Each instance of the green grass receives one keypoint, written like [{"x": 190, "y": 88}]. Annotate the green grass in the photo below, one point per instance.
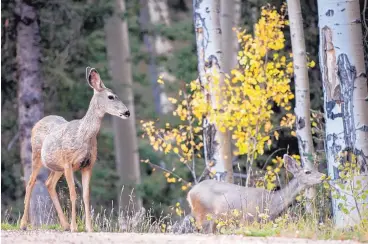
[
  {"x": 300, "y": 228},
  {"x": 304, "y": 227},
  {"x": 294, "y": 224},
  {"x": 51, "y": 227},
  {"x": 8, "y": 226}
]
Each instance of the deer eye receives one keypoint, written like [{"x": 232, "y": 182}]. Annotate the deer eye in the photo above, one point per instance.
[
  {"x": 111, "y": 97},
  {"x": 308, "y": 172}
]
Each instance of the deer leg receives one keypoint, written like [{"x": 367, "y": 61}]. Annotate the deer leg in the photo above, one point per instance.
[
  {"x": 73, "y": 195},
  {"x": 36, "y": 166},
  {"x": 51, "y": 187},
  {"x": 86, "y": 177}
]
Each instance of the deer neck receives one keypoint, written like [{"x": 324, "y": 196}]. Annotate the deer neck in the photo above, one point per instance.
[
  {"x": 91, "y": 122},
  {"x": 283, "y": 198}
]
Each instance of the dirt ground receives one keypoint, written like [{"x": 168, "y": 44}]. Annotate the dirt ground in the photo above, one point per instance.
[{"x": 54, "y": 237}]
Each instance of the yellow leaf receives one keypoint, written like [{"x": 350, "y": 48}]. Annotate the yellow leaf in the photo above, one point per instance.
[
  {"x": 172, "y": 100},
  {"x": 184, "y": 147},
  {"x": 160, "y": 81},
  {"x": 176, "y": 150},
  {"x": 168, "y": 148}
]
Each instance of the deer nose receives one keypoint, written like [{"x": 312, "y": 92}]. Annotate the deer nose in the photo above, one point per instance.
[{"x": 127, "y": 113}]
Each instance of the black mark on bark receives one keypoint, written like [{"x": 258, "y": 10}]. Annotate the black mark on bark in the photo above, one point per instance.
[
  {"x": 330, "y": 13},
  {"x": 361, "y": 160},
  {"x": 363, "y": 128},
  {"x": 212, "y": 60},
  {"x": 335, "y": 173},
  {"x": 196, "y": 3},
  {"x": 300, "y": 124},
  {"x": 211, "y": 144},
  {"x": 329, "y": 107},
  {"x": 335, "y": 148},
  {"x": 347, "y": 75}
]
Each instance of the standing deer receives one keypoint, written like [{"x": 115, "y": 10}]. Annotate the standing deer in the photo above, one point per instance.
[
  {"x": 64, "y": 147},
  {"x": 215, "y": 197}
]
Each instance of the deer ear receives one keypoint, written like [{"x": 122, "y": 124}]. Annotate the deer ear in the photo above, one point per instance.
[
  {"x": 291, "y": 165},
  {"x": 93, "y": 79}
]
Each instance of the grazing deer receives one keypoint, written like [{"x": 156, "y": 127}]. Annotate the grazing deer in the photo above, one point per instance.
[
  {"x": 215, "y": 197},
  {"x": 64, "y": 147}
]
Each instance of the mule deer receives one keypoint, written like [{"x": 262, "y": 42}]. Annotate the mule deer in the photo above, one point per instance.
[
  {"x": 64, "y": 147},
  {"x": 215, "y": 197}
]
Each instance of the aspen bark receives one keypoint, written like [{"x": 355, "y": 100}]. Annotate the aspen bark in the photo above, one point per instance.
[
  {"x": 30, "y": 104},
  {"x": 154, "y": 12},
  {"x": 210, "y": 68},
  {"x": 302, "y": 94},
  {"x": 125, "y": 138},
  {"x": 230, "y": 19},
  {"x": 345, "y": 88},
  {"x": 152, "y": 66}
]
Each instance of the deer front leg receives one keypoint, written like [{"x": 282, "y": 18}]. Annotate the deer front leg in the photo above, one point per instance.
[
  {"x": 86, "y": 177},
  {"x": 73, "y": 195}
]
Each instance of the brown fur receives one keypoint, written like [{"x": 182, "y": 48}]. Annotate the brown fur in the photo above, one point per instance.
[
  {"x": 198, "y": 210},
  {"x": 64, "y": 147}
]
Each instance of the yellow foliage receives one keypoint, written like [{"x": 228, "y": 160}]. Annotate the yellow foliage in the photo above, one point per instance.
[
  {"x": 160, "y": 80},
  {"x": 248, "y": 95}
]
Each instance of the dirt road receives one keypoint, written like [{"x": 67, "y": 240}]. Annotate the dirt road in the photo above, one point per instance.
[{"x": 55, "y": 237}]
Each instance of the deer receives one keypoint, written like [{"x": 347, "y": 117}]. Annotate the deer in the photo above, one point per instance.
[
  {"x": 65, "y": 147},
  {"x": 215, "y": 198}
]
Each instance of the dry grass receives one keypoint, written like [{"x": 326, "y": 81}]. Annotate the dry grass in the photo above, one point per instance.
[{"x": 294, "y": 223}]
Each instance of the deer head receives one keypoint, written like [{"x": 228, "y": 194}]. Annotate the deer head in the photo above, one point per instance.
[
  {"x": 307, "y": 177},
  {"x": 107, "y": 101}
]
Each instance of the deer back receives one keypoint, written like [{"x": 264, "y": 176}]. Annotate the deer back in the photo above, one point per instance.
[
  {"x": 43, "y": 128},
  {"x": 215, "y": 197}
]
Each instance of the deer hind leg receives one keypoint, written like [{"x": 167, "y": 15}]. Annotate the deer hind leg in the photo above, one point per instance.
[
  {"x": 73, "y": 195},
  {"x": 199, "y": 212},
  {"x": 36, "y": 166},
  {"x": 51, "y": 187}
]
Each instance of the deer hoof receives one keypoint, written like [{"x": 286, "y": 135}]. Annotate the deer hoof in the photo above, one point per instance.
[
  {"x": 66, "y": 227},
  {"x": 89, "y": 229},
  {"x": 23, "y": 227},
  {"x": 73, "y": 228}
]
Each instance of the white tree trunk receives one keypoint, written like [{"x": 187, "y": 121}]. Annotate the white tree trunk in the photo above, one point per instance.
[
  {"x": 345, "y": 87},
  {"x": 125, "y": 138},
  {"x": 230, "y": 19},
  {"x": 302, "y": 94},
  {"x": 208, "y": 37},
  {"x": 159, "y": 14}
]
